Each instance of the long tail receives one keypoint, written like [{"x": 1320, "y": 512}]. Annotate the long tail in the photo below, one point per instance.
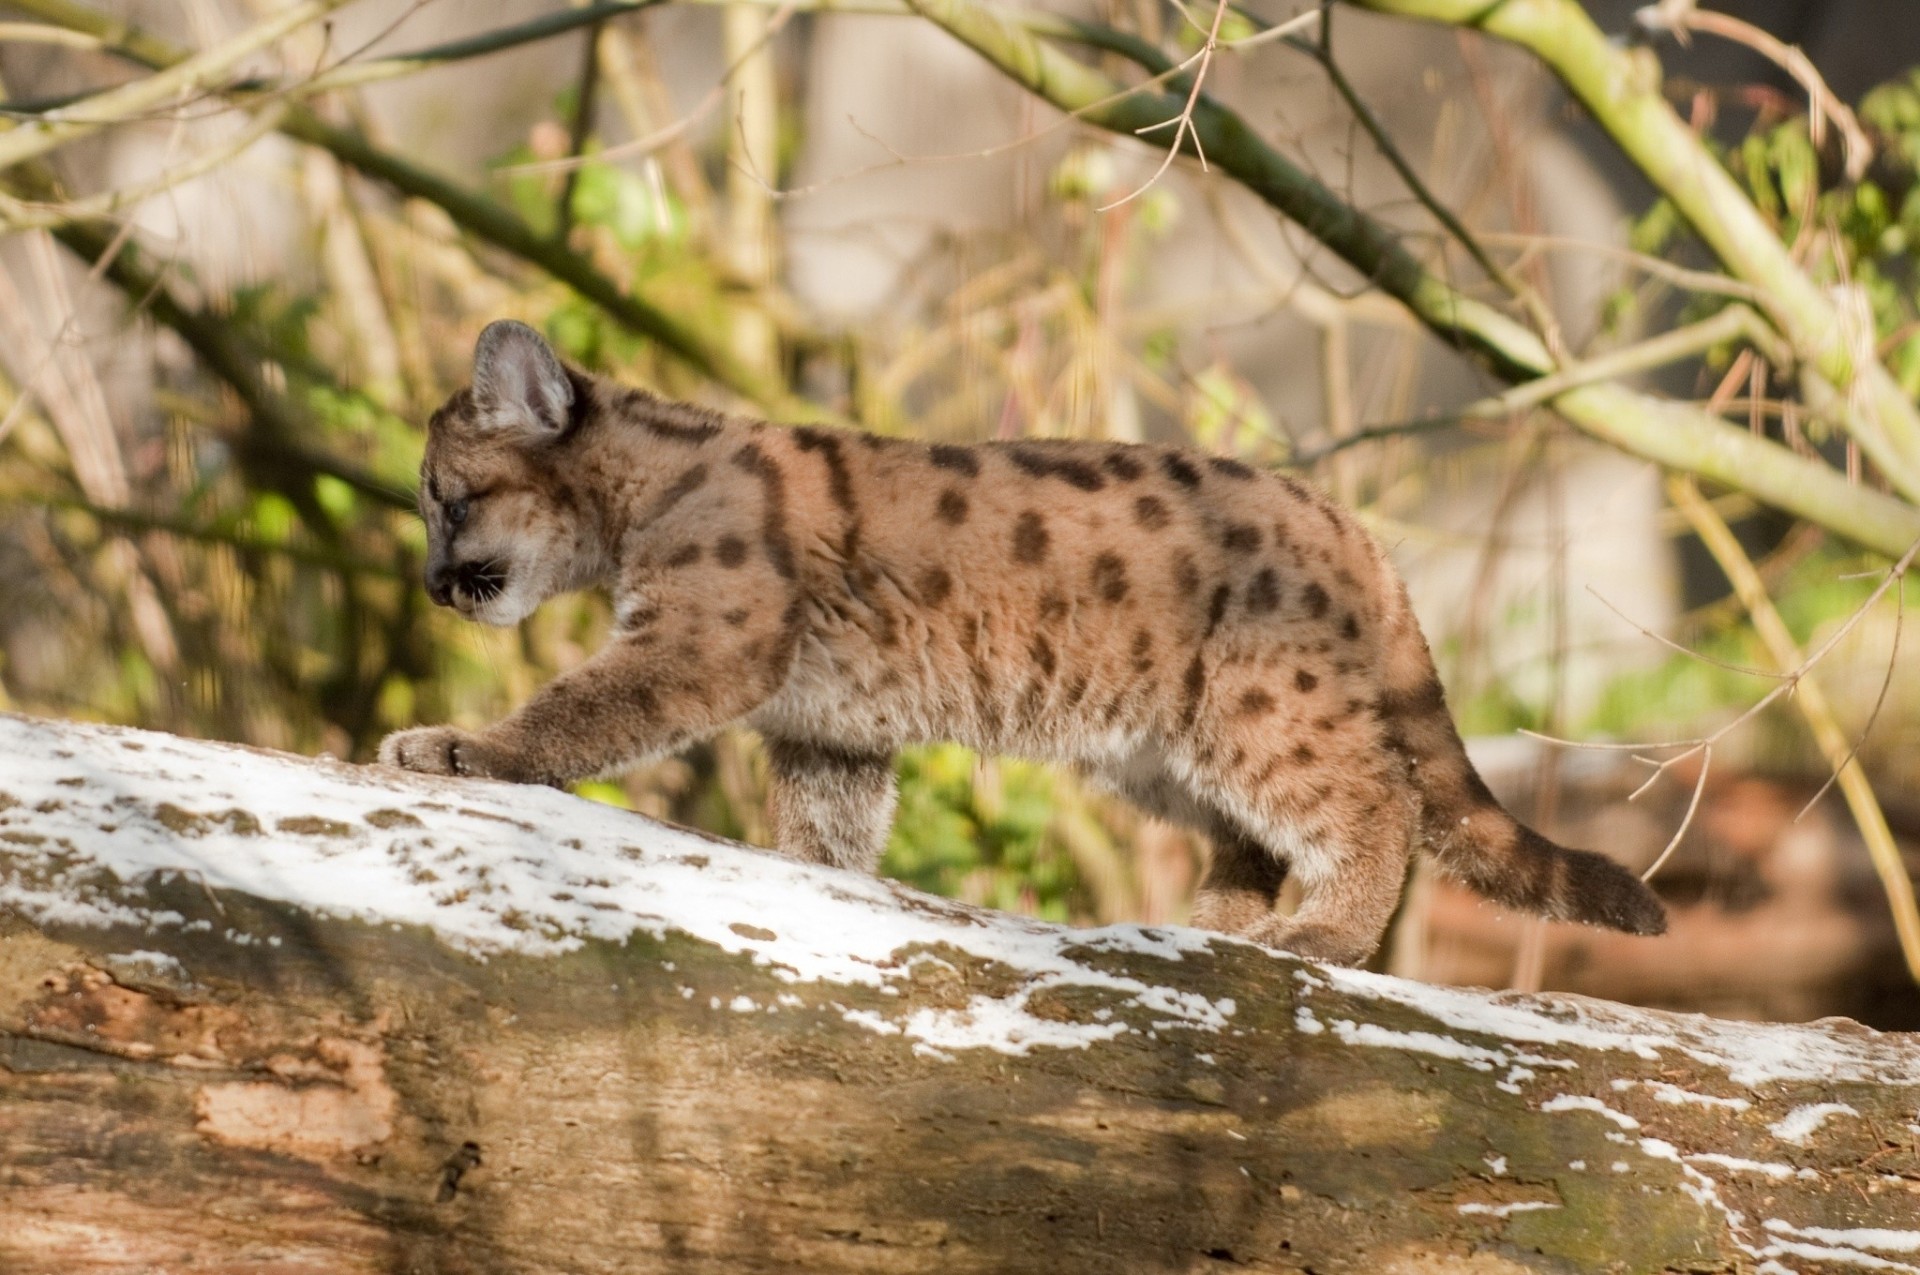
[{"x": 1473, "y": 839}]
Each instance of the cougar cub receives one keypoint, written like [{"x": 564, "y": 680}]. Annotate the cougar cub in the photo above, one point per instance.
[{"x": 1223, "y": 646}]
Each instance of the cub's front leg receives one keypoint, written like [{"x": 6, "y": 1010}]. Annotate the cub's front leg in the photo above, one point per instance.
[{"x": 637, "y": 698}]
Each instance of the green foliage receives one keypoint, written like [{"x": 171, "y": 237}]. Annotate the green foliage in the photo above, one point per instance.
[
  {"x": 1685, "y": 692},
  {"x": 980, "y": 830},
  {"x": 1865, "y": 235}
]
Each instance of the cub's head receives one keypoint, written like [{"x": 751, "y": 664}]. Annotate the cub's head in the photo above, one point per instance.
[{"x": 505, "y": 529}]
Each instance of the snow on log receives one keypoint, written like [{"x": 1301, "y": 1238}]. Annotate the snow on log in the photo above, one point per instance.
[{"x": 265, "y": 1013}]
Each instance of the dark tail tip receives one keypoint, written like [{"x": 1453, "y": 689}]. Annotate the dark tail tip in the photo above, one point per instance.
[{"x": 1601, "y": 892}]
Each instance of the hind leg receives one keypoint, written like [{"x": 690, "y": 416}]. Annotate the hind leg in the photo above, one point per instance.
[
  {"x": 1342, "y": 917},
  {"x": 1341, "y": 812},
  {"x": 1243, "y": 877},
  {"x": 829, "y": 805},
  {"x": 1243, "y": 881},
  {"x": 1351, "y": 860}
]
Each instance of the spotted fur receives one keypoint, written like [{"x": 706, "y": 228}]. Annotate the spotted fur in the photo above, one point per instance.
[{"x": 1223, "y": 646}]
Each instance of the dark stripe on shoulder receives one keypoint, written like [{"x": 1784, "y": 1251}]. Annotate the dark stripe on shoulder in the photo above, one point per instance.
[
  {"x": 839, "y": 482},
  {"x": 773, "y": 518},
  {"x": 678, "y": 422}
]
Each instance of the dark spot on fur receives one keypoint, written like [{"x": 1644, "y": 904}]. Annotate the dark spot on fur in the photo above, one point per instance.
[
  {"x": 1044, "y": 463},
  {"x": 1042, "y": 652},
  {"x": 951, "y": 507},
  {"x": 1180, "y": 469},
  {"x": 1429, "y": 697},
  {"x": 1315, "y": 600},
  {"x": 1193, "y": 684},
  {"x": 1350, "y": 627},
  {"x": 1241, "y": 537},
  {"x": 1217, "y": 607},
  {"x": 1052, "y": 606},
  {"x": 1110, "y": 577},
  {"x": 736, "y": 617},
  {"x": 1142, "y": 654},
  {"x": 1150, "y": 512},
  {"x": 1124, "y": 465},
  {"x": 1230, "y": 467},
  {"x": 1029, "y": 538},
  {"x": 730, "y": 551},
  {"x": 935, "y": 585},
  {"x": 1256, "y": 701},
  {"x": 1304, "y": 682},
  {"x": 1186, "y": 575},
  {"x": 1076, "y": 689},
  {"x": 684, "y": 556},
  {"x": 958, "y": 459},
  {"x": 793, "y": 758},
  {"x": 1263, "y": 593},
  {"x": 1302, "y": 755}
]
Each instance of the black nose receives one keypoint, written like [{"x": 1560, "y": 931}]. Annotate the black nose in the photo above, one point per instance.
[{"x": 440, "y": 585}]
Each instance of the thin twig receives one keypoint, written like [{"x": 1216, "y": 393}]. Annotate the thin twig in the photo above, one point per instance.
[
  {"x": 1823, "y": 103},
  {"x": 1731, "y": 323},
  {"x": 18, "y": 215},
  {"x": 56, "y": 128},
  {"x": 1536, "y": 307},
  {"x": 1812, "y": 702}
]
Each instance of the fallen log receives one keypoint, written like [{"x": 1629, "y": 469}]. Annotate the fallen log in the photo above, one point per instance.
[{"x": 264, "y": 1013}]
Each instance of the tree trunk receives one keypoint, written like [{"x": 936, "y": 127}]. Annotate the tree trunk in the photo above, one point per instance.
[{"x": 260, "y": 1013}]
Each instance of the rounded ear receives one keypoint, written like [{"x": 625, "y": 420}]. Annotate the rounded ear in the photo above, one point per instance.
[{"x": 519, "y": 384}]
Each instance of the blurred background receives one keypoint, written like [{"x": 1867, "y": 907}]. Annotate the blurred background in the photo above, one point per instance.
[{"x": 231, "y": 293}]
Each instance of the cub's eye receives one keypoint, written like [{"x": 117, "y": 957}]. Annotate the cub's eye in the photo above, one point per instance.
[{"x": 457, "y": 512}]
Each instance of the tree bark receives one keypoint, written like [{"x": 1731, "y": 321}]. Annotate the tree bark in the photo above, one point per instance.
[{"x": 261, "y": 1013}]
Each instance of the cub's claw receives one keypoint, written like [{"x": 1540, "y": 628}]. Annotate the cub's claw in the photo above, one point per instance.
[
  {"x": 447, "y": 750},
  {"x": 431, "y": 750}
]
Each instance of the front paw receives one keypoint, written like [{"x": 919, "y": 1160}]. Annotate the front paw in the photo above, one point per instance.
[{"x": 432, "y": 750}]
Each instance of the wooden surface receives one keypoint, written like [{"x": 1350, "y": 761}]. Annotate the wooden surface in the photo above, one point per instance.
[{"x": 251, "y": 1084}]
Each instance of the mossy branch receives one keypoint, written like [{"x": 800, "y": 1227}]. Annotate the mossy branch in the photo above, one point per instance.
[
  {"x": 1620, "y": 86},
  {"x": 1672, "y": 434},
  {"x": 479, "y": 216},
  {"x": 182, "y": 76}
]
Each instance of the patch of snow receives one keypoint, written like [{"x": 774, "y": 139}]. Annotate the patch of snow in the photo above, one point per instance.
[
  {"x": 1832, "y": 1248},
  {"x": 1474, "y": 1056},
  {"x": 1749, "y": 1054},
  {"x": 1778, "y": 1172},
  {"x": 493, "y": 867},
  {"x": 158, "y": 962},
  {"x": 1803, "y": 1122},
  {"x": 1305, "y": 1023},
  {"x": 868, "y": 1019},
  {"x": 1856, "y": 1237},
  {"x": 1580, "y": 1102},
  {"x": 1674, "y": 1096},
  {"x": 1507, "y": 1210}
]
